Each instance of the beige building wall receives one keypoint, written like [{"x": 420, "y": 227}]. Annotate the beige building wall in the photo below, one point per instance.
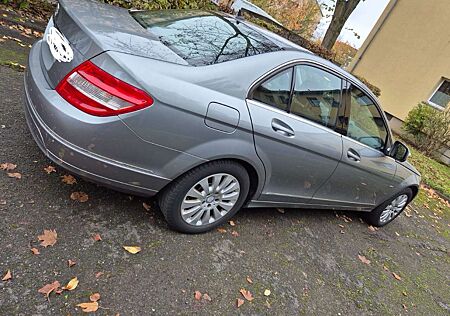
[{"x": 407, "y": 53}]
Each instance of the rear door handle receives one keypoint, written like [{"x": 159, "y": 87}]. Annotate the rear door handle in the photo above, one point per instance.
[
  {"x": 282, "y": 128},
  {"x": 353, "y": 155}
]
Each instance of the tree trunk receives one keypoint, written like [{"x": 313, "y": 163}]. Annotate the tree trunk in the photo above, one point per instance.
[{"x": 341, "y": 13}]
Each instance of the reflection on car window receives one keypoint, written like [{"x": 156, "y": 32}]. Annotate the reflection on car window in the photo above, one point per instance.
[
  {"x": 317, "y": 95},
  {"x": 366, "y": 124},
  {"x": 204, "y": 38},
  {"x": 276, "y": 90}
]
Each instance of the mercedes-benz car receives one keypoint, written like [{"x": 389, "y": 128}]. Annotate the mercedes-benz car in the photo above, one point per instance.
[{"x": 210, "y": 114}]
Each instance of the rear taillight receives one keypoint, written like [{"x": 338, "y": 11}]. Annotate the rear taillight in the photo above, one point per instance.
[{"x": 94, "y": 91}]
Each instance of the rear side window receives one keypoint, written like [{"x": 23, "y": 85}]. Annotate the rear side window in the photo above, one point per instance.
[
  {"x": 317, "y": 95},
  {"x": 276, "y": 90},
  {"x": 204, "y": 38}
]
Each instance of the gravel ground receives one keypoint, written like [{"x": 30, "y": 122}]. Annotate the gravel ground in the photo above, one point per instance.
[{"x": 308, "y": 259}]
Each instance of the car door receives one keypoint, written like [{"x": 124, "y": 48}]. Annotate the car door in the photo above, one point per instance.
[
  {"x": 364, "y": 177},
  {"x": 293, "y": 113}
]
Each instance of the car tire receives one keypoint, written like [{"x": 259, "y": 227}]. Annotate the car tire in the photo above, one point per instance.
[
  {"x": 173, "y": 197},
  {"x": 386, "y": 213}
]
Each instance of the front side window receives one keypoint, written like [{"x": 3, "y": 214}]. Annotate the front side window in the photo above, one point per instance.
[
  {"x": 276, "y": 90},
  {"x": 441, "y": 97},
  {"x": 317, "y": 95},
  {"x": 366, "y": 124}
]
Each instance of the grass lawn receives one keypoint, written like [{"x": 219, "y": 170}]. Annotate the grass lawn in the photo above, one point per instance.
[{"x": 434, "y": 174}]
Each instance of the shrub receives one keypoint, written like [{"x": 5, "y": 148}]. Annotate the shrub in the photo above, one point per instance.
[{"x": 429, "y": 127}]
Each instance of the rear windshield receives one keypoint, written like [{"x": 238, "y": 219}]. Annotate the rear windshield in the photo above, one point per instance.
[{"x": 204, "y": 38}]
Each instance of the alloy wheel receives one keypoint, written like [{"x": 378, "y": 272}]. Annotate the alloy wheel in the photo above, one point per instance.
[
  {"x": 392, "y": 209},
  {"x": 210, "y": 199}
]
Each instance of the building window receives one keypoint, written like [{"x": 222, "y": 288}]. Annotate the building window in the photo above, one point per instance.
[{"x": 441, "y": 97}]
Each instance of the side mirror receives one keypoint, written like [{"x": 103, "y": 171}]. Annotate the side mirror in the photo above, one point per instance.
[{"x": 399, "y": 151}]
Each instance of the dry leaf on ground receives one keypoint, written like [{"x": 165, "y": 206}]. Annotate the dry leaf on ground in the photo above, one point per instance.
[
  {"x": 68, "y": 179},
  {"x": 14, "y": 175},
  {"x": 247, "y": 294},
  {"x": 249, "y": 280},
  {"x": 235, "y": 233},
  {"x": 267, "y": 292},
  {"x": 232, "y": 223},
  {"x": 146, "y": 206},
  {"x": 48, "y": 238},
  {"x": 197, "y": 295},
  {"x": 396, "y": 276},
  {"x": 7, "y": 276},
  {"x": 132, "y": 249},
  {"x": 72, "y": 285},
  {"x": 79, "y": 197},
  {"x": 94, "y": 297},
  {"x": 206, "y": 297},
  {"x": 363, "y": 259},
  {"x": 221, "y": 230},
  {"x": 97, "y": 237},
  {"x": 99, "y": 274},
  {"x": 71, "y": 263},
  {"x": 48, "y": 288},
  {"x": 35, "y": 251},
  {"x": 239, "y": 302},
  {"x": 50, "y": 169},
  {"x": 8, "y": 166},
  {"x": 88, "y": 307}
]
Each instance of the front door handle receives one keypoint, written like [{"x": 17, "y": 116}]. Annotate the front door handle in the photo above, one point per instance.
[
  {"x": 282, "y": 128},
  {"x": 353, "y": 155}
]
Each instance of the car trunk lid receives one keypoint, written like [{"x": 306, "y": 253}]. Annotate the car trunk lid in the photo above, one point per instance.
[{"x": 91, "y": 28}]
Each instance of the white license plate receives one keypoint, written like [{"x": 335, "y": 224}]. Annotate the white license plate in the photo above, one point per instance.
[{"x": 59, "y": 46}]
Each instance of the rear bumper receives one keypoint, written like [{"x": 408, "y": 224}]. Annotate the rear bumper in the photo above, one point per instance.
[{"x": 49, "y": 117}]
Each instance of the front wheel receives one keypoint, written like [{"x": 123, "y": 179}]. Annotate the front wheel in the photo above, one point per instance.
[
  {"x": 205, "y": 197},
  {"x": 389, "y": 210}
]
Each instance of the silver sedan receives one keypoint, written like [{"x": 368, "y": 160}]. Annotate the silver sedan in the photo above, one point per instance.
[{"x": 211, "y": 114}]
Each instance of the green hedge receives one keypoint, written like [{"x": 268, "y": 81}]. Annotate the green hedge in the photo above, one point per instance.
[{"x": 161, "y": 4}]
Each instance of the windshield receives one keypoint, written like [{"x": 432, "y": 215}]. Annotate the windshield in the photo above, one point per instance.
[{"x": 204, "y": 38}]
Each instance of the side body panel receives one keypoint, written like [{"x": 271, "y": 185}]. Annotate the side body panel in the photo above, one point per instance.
[{"x": 297, "y": 165}]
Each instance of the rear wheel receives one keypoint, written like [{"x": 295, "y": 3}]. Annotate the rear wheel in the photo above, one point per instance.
[
  {"x": 389, "y": 210},
  {"x": 205, "y": 197}
]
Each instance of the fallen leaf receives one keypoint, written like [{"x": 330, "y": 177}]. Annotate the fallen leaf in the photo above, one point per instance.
[
  {"x": 267, "y": 292},
  {"x": 341, "y": 226},
  {"x": 232, "y": 223},
  {"x": 7, "y": 276},
  {"x": 239, "y": 302},
  {"x": 48, "y": 288},
  {"x": 71, "y": 263},
  {"x": 221, "y": 230},
  {"x": 206, "y": 297},
  {"x": 396, "y": 276},
  {"x": 281, "y": 210},
  {"x": 247, "y": 294},
  {"x": 79, "y": 197},
  {"x": 68, "y": 179},
  {"x": 146, "y": 206},
  {"x": 35, "y": 251},
  {"x": 99, "y": 274},
  {"x": 48, "y": 238},
  {"x": 372, "y": 229},
  {"x": 249, "y": 280},
  {"x": 197, "y": 295},
  {"x": 72, "y": 285},
  {"x": 363, "y": 259},
  {"x": 235, "y": 233},
  {"x": 397, "y": 234},
  {"x": 132, "y": 249},
  {"x": 88, "y": 307},
  {"x": 8, "y": 166},
  {"x": 15, "y": 175},
  {"x": 94, "y": 297},
  {"x": 97, "y": 237},
  {"x": 50, "y": 169}
]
